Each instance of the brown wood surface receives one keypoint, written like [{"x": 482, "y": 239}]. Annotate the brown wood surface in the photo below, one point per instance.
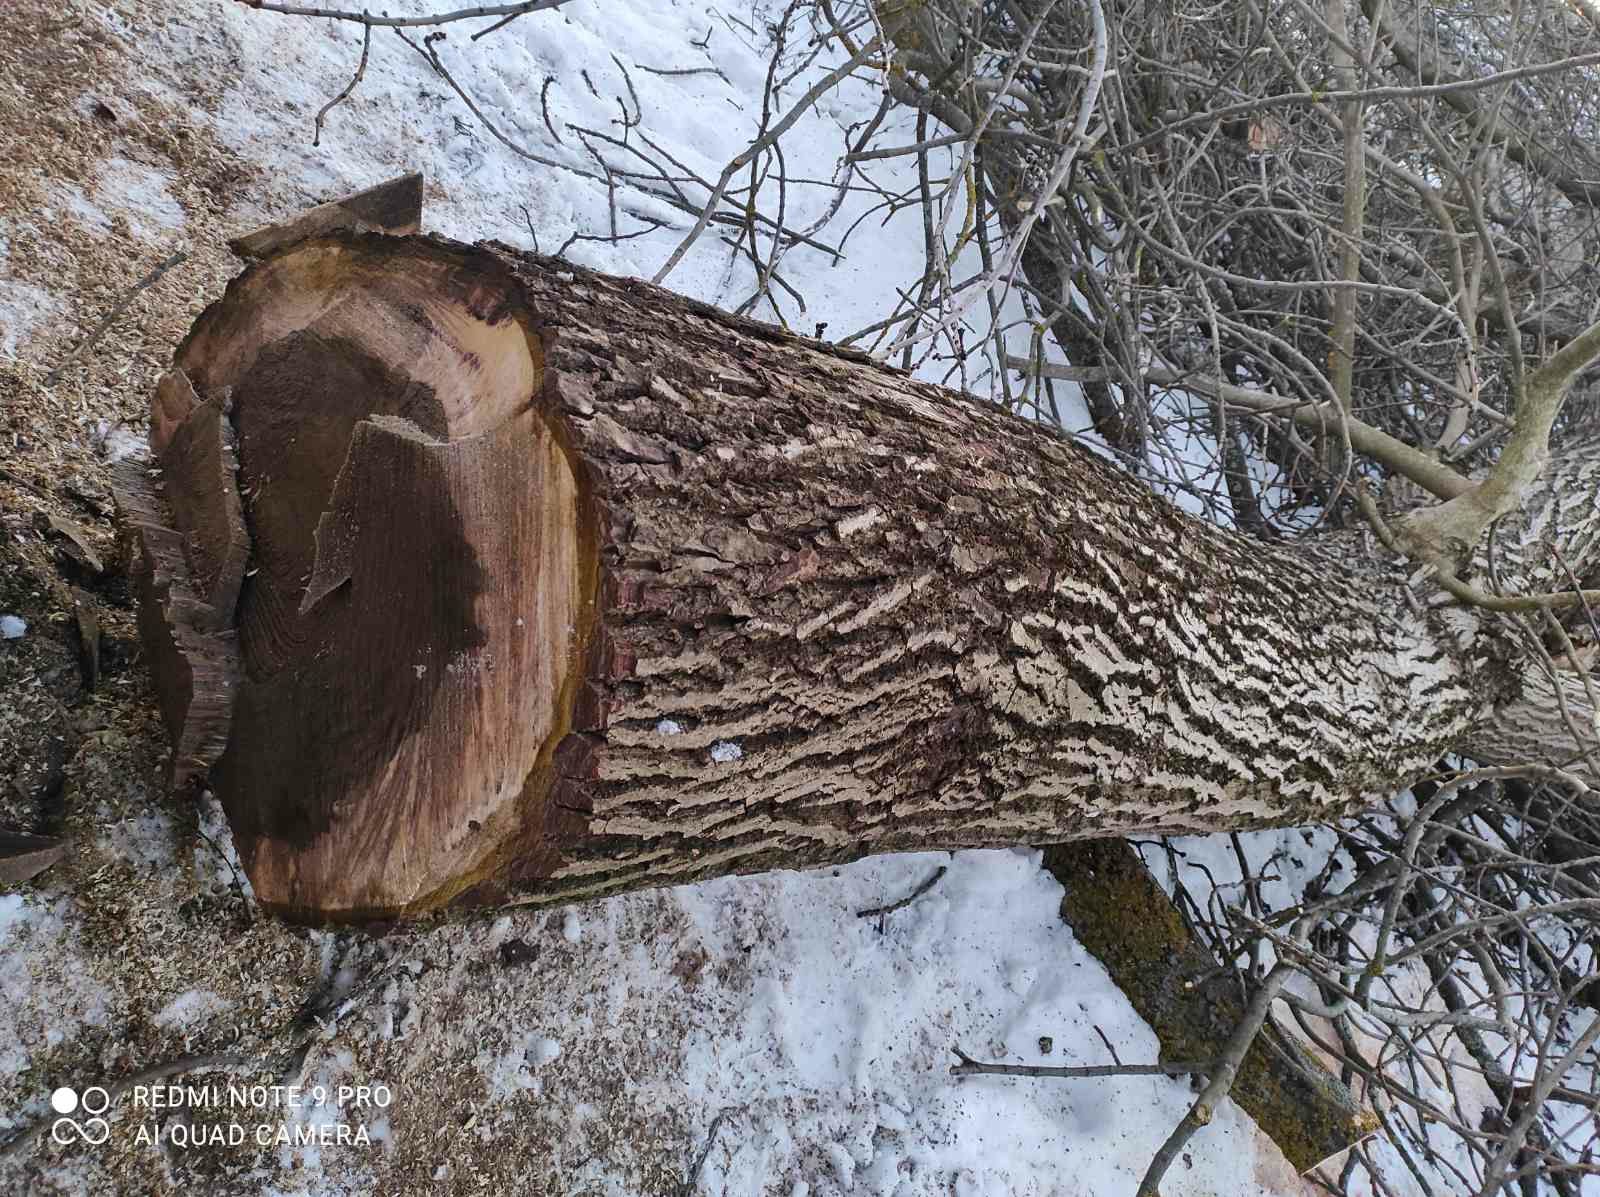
[{"x": 24, "y": 856}]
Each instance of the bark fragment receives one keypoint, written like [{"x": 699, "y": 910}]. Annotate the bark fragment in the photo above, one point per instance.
[
  {"x": 24, "y": 856},
  {"x": 391, "y": 207},
  {"x": 192, "y": 551}
]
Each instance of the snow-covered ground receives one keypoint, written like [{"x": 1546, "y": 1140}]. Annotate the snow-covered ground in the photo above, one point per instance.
[
  {"x": 757, "y": 1027},
  {"x": 681, "y": 84}
]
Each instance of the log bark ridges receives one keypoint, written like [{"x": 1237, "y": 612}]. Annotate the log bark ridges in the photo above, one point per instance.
[
  {"x": 1120, "y": 914},
  {"x": 561, "y": 585}
]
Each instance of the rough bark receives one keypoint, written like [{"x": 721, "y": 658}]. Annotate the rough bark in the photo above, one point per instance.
[
  {"x": 562, "y": 585},
  {"x": 193, "y": 551}
]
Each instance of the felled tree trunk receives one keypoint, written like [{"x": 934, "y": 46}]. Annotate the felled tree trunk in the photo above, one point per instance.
[{"x": 554, "y": 584}]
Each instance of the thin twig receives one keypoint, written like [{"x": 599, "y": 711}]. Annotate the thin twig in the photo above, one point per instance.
[
  {"x": 706, "y": 70},
  {"x": 693, "y": 1179},
  {"x": 432, "y": 57},
  {"x": 971, "y": 1067},
  {"x": 544, "y": 108},
  {"x": 110, "y": 318},
  {"x": 361, "y": 69},
  {"x": 926, "y": 885},
  {"x": 498, "y": 25},
  {"x": 1398, "y": 92},
  {"x": 366, "y": 18},
  {"x": 817, "y": 90}
]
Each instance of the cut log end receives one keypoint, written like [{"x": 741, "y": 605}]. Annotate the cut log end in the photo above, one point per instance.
[{"x": 421, "y": 581}]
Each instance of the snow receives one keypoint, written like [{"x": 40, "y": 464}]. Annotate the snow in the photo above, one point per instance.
[
  {"x": 845, "y": 1040},
  {"x": 191, "y": 1010},
  {"x": 118, "y": 442},
  {"x": 824, "y": 1039},
  {"x": 603, "y": 59},
  {"x": 1282, "y": 860},
  {"x": 481, "y": 190},
  {"x": 133, "y": 191},
  {"x": 215, "y": 856},
  {"x": 12, "y": 913},
  {"x": 544, "y": 1050},
  {"x": 724, "y": 751},
  {"x": 45, "y": 994},
  {"x": 144, "y": 839},
  {"x": 80, "y": 208},
  {"x": 141, "y": 193},
  {"x": 24, "y": 309}
]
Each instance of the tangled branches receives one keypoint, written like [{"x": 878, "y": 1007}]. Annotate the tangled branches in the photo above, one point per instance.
[
  {"x": 1324, "y": 207},
  {"x": 1451, "y": 975}
]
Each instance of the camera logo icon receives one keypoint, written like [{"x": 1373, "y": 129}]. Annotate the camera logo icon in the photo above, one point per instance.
[{"x": 89, "y": 1105}]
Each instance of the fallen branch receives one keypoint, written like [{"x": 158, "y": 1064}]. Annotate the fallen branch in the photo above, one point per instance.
[
  {"x": 971, "y": 1067},
  {"x": 367, "y": 19},
  {"x": 908, "y": 899},
  {"x": 1120, "y": 914}
]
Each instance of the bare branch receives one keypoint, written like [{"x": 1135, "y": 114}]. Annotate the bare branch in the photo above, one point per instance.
[
  {"x": 361, "y": 69},
  {"x": 970, "y": 1067},
  {"x": 444, "y": 18}
]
